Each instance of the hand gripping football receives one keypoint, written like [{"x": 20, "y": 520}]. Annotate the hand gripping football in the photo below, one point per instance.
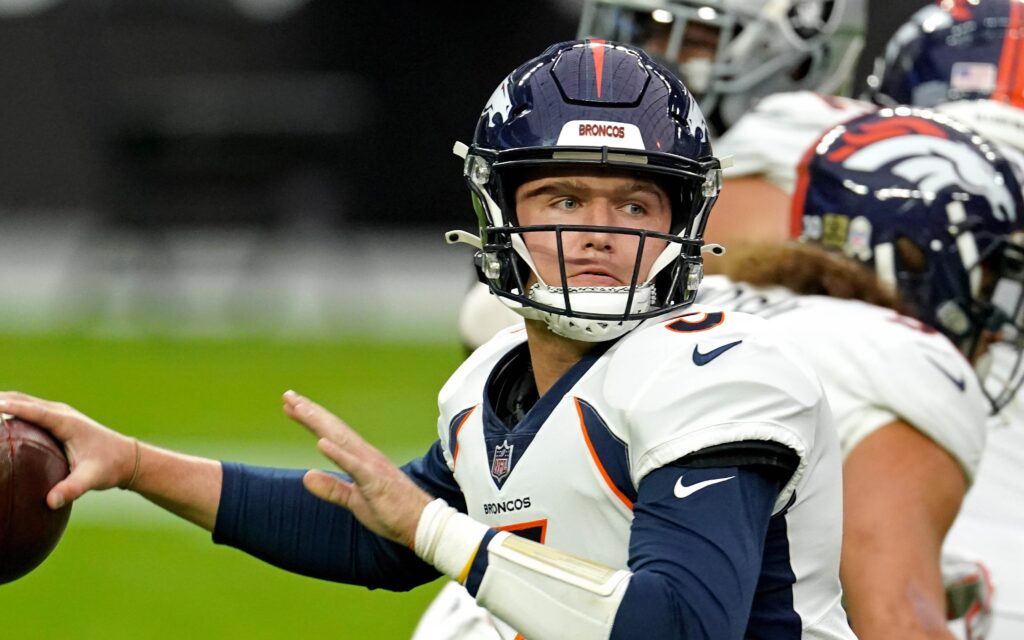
[{"x": 31, "y": 463}]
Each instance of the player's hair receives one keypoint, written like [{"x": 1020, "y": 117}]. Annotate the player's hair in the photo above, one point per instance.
[{"x": 807, "y": 270}]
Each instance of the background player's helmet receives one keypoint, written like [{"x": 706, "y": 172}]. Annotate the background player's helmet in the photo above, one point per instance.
[
  {"x": 963, "y": 55},
  {"x": 933, "y": 208},
  {"x": 732, "y": 52},
  {"x": 593, "y": 104}
]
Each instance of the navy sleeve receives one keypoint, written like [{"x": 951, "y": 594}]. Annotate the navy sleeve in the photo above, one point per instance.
[
  {"x": 695, "y": 551},
  {"x": 268, "y": 513}
]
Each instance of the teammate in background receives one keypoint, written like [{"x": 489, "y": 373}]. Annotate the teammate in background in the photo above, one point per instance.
[
  {"x": 935, "y": 212},
  {"x": 957, "y": 57},
  {"x": 777, "y": 57},
  {"x": 963, "y": 58},
  {"x": 667, "y": 470}
]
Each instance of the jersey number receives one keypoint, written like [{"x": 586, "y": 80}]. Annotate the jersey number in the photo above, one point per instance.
[
  {"x": 696, "y": 321},
  {"x": 535, "y": 530}
]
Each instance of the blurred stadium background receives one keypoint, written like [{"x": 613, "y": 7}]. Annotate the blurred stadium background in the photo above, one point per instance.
[{"x": 206, "y": 202}]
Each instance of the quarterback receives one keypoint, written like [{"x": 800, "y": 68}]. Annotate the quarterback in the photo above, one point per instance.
[{"x": 625, "y": 464}]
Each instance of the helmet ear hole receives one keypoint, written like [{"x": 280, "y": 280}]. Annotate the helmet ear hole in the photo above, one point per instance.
[{"x": 911, "y": 257}]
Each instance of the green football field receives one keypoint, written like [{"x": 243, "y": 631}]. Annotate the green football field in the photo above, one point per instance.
[{"x": 126, "y": 570}]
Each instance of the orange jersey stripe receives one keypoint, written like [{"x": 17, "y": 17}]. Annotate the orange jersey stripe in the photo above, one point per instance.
[{"x": 597, "y": 461}]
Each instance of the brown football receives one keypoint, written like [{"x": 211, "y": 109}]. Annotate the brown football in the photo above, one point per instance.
[{"x": 31, "y": 462}]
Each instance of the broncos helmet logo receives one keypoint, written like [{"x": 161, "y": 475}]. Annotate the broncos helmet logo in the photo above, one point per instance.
[
  {"x": 499, "y": 105},
  {"x": 935, "y": 164}
]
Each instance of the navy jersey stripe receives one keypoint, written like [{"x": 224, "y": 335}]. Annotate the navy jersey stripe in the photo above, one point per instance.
[
  {"x": 611, "y": 454},
  {"x": 453, "y": 432}
]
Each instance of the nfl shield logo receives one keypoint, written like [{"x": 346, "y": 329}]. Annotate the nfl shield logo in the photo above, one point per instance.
[{"x": 501, "y": 462}]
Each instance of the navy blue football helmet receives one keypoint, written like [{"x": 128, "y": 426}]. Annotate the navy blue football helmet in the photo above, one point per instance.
[
  {"x": 600, "y": 105},
  {"x": 962, "y": 58},
  {"x": 933, "y": 209},
  {"x": 953, "y": 50}
]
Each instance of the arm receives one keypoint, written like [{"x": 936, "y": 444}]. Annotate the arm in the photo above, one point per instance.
[
  {"x": 693, "y": 569},
  {"x": 101, "y": 459},
  {"x": 694, "y": 566},
  {"x": 267, "y": 513},
  {"x": 901, "y": 492}
]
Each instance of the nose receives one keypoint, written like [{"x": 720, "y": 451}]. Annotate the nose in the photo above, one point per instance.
[{"x": 599, "y": 214}]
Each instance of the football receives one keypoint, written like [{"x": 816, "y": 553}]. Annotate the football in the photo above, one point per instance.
[{"x": 31, "y": 462}]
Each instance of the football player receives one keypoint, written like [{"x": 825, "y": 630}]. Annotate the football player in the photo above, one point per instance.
[
  {"x": 963, "y": 58},
  {"x": 934, "y": 211},
  {"x": 625, "y": 464}
]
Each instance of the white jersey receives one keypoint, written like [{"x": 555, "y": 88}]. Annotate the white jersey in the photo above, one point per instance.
[
  {"x": 877, "y": 366},
  {"x": 771, "y": 138},
  {"x": 667, "y": 389}
]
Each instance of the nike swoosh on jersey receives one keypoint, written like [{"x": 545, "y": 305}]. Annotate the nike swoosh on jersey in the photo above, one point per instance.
[
  {"x": 701, "y": 359},
  {"x": 681, "y": 490},
  {"x": 960, "y": 382}
]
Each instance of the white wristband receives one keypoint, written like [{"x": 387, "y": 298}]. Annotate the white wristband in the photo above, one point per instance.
[{"x": 448, "y": 539}]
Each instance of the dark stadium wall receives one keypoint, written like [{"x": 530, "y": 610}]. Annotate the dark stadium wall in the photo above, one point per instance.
[{"x": 159, "y": 112}]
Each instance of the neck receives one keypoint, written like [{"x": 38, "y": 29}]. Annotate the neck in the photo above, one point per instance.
[{"x": 551, "y": 354}]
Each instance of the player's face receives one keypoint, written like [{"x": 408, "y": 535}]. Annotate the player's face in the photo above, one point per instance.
[
  {"x": 699, "y": 41},
  {"x": 576, "y": 197}
]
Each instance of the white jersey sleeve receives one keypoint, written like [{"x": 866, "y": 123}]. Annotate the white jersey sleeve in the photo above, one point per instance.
[
  {"x": 771, "y": 138},
  {"x": 686, "y": 389},
  {"x": 877, "y": 366},
  {"x": 880, "y": 367},
  {"x": 465, "y": 387}
]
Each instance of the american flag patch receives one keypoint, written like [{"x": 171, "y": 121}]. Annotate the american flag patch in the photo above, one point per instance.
[{"x": 973, "y": 77}]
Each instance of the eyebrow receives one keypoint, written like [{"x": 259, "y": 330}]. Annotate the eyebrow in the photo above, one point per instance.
[{"x": 560, "y": 186}]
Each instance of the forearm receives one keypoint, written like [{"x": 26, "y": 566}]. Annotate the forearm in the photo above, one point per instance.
[
  {"x": 187, "y": 486},
  {"x": 269, "y": 514},
  {"x": 685, "y": 580}
]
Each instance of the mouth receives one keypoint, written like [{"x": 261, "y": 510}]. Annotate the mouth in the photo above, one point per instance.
[{"x": 594, "y": 277}]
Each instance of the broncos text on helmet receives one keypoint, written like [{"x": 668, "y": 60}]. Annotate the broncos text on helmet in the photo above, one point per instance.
[
  {"x": 730, "y": 53},
  {"x": 591, "y": 104},
  {"x": 934, "y": 209}
]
